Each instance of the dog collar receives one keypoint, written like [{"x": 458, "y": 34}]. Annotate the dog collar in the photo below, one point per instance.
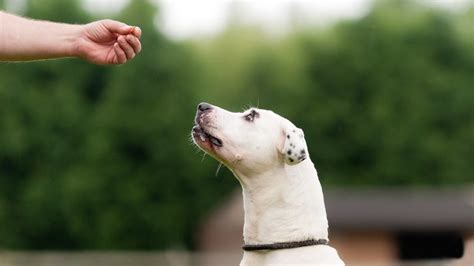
[{"x": 285, "y": 245}]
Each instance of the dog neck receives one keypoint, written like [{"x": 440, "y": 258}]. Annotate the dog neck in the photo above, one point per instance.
[{"x": 283, "y": 205}]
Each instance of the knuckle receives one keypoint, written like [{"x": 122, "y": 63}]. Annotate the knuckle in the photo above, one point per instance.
[{"x": 107, "y": 21}]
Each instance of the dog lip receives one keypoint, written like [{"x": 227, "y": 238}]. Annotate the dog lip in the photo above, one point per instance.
[
  {"x": 215, "y": 141},
  {"x": 200, "y": 134}
]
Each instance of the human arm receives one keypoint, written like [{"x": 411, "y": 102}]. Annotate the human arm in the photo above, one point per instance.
[{"x": 100, "y": 42}]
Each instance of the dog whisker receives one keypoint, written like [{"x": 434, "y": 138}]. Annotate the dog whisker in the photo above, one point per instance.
[
  {"x": 218, "y": 168},
  {"x": 248, "y": 107},
  {"x": 195, "y": 147},
  {"x": 196, "y": 150}
]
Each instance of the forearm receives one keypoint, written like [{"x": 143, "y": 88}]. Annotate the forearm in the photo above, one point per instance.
[{"x": 25, "y": 39}]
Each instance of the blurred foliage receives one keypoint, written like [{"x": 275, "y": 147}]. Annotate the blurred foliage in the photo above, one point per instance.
[{"x": 98, "y": 157}]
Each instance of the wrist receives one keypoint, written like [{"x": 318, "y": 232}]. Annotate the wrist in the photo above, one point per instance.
[{"x": 74, "y": 41}]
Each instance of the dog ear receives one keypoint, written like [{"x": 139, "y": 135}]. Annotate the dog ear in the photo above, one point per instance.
[{"x": 294, "y": 146}]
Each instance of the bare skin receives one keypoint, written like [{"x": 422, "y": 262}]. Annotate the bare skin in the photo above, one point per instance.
[{"x": 103, "y": 42}]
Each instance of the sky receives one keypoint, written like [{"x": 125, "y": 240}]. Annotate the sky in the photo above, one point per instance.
[{"x": 183, "y": 19}]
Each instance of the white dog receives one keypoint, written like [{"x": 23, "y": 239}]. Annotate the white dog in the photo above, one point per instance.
[{"x": 285, "y": 216}]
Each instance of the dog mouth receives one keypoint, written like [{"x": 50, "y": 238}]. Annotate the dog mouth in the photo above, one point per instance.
[{"x": 200, "y": 135}]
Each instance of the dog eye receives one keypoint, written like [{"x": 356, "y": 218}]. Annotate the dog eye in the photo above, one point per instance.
[{"x": 251, "y": 116}]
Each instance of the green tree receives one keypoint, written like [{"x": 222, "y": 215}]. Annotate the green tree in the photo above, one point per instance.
[
  {"x": 92, "y": 157},
  {"x": 384, "y": 100},
  {"x": 96, "y": 157}
]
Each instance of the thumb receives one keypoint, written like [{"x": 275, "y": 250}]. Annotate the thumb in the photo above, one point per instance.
[{"x": 117, "y": 27}]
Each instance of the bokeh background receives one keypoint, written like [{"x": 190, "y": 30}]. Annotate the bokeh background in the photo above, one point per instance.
[{"x": 99, "y": 158}]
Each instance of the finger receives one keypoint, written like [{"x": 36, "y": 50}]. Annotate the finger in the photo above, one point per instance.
[
  {"x": 135, "y": 43},
  {"x": 127, "y": 48},
  {"x": 117, "y": 26},
  {"x": 120, "y": 54},
  {"x": 137, "y": 32}
]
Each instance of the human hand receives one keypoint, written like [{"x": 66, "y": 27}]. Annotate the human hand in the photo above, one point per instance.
[{"x": 107, "y": 42}]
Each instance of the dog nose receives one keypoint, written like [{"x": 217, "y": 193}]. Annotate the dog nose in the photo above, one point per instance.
[{"x": 204, "y": 107}]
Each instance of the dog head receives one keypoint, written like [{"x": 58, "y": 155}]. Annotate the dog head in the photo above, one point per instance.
[{"x": 250, "y": 142}]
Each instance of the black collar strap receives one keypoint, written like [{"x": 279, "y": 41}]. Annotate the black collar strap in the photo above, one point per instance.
[{"x": 285, "y": 245}]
